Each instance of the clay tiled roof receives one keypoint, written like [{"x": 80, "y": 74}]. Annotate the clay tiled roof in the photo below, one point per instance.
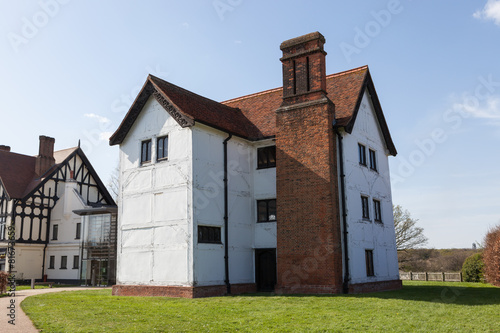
[
  {"x": 17, "y": 172},
  {"x": 253, "y": 116},
  {"x": 343, "y": 89}
]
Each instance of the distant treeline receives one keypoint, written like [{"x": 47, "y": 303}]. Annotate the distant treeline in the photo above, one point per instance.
[{"x": 432, "y": 260}]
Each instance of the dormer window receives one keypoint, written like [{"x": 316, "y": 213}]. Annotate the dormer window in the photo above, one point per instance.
[
  {"x": 146, "y": 151},
  {"x": 266, "y": 157}
]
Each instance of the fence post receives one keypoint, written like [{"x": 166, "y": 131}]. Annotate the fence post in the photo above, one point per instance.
[{"x": 444, "y": 277}]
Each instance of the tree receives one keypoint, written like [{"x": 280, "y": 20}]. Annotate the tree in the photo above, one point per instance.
[
  {"x": 113, "y": 184},
  {"x": 473, "y": 268},
  {"x": 408, "y": 235},
  {"x": 491, "y": 256}
]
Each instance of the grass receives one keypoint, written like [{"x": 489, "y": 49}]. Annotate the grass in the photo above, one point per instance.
[{"x": 420, "y": 306}]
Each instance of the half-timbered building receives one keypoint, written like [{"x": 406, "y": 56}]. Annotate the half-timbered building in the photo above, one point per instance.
[
  {"x": 286, "y": 189},
  {"x": 42, "y": 199}
]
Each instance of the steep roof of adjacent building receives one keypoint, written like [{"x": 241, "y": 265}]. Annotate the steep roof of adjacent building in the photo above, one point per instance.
[
  {"x": 253, "y": 116},
  {"x": 17, "y": 171}
]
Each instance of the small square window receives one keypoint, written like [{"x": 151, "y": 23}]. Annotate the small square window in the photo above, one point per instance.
[
  {"x": 145, "y": 151},
  {"x": 64, "y": 262},
  {"x": 266, "y": 157},
  {"x": 365, "y": 208},
  {"x": 76, "y": 262},
  {"x": 162, "y": 148},
  {"x": 52, "y": 262},
  {"x": 369, "y": 263},
  {"x": 373, "y": 160},
  {"x": 362, "y": 154},
  {"x": 210, "y": 235},
  {"x": 55, "y": 231},
  {"x": 377, "y": 211},
  {"x": 266, "y": 210}
]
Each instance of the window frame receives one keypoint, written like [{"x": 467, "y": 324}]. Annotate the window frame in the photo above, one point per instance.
[
  {"x": 373, "y": 159},
  {"x": 377, "y": 211},
  {"x": 268, "y": 151},
  {"x": 365, "y": 207},
  {"x": 362, "y": 154},
  {"x": 146, "y": 159},
  {"x": 76, "y": 262},
  {"x": 52, "y": 262},
  {"x": 267, "y": 201},
  {"x": 78, "y": 230},
  {"x": 164, "y": 154},
  {"x": 55, "y": 231},
  {"x": 370, "y": 269},
  {"x": 210, "y": 231},
  {"x": 64, "y": 262}
]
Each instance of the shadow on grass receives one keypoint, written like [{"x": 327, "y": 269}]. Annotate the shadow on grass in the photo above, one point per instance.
[{"x": 445, "y": 294}]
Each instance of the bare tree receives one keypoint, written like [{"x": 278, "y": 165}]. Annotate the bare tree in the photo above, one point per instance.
[
  {"x": 408, "y": 235},
  {"x": 113, "y": 184}
]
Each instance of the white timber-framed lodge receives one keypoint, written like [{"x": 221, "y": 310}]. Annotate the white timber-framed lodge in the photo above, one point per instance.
[
  {"x": 285, "y": 190},
  {"x": 59, "y": 215}
]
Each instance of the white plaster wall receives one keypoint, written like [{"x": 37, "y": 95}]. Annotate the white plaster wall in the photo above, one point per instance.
[
  {"x": 66, "y": 243},
  {"x": 264, "y": 188},
  {"x": 361, "y": 180},
  {"x": 155, "y": 211},
  {"x": 29, "y": 258},
  {"x": 208, "y": 196}
]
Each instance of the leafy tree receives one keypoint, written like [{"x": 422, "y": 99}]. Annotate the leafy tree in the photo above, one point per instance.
[
  {"x": 408, "y": 235},
  {"x": 491, "y": 256},
  {"x": 473, "y": 268}
]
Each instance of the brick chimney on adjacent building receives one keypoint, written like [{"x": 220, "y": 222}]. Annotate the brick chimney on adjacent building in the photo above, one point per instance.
[
  {"x": 309, "y": 252},
  {"x": 45, "y": 159},
  {"x": 4, "y": 148}
]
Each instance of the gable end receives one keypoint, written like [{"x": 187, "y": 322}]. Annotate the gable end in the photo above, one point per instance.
[{"x": 368, "y": 85}]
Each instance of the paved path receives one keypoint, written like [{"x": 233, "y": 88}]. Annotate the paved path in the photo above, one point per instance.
[{"x": 22, "y": 322}]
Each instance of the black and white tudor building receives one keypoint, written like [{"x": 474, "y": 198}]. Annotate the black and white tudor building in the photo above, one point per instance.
[{"x": 63, "y": 217}]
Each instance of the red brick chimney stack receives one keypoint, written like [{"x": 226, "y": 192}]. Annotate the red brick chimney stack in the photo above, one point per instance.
[
  {"x": 304, "y": 68},
  {"x": 309, "y": 252},
  {"x": 45, "y": 159},
  {"x": 4, "y": 148}
]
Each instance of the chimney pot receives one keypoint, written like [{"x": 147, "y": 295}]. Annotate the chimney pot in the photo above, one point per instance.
[
  {"x": 5, "y": 148},
  {"x": 304, "y": 68}
]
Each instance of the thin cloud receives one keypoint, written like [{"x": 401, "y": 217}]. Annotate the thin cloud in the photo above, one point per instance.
[
  {"x": 102, "y": 120},
  {"x": 491, "y": 11},
  {"x": 104, "y": 136},
  {"x": 485, "y": 109}
]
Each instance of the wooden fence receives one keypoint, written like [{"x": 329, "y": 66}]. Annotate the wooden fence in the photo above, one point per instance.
[{"x": 431, "y": 276}]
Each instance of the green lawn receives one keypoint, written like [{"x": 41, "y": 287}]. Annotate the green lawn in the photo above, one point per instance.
[{"x": 420, "y": 306}]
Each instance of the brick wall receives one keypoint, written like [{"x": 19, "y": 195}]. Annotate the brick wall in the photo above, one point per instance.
[
  {"x": 179, "y": 291},
  {"x": 309, "y": 254}
]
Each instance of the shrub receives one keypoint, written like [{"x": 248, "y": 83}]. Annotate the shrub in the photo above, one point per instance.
[
  {"x": 492, "y": 256},
  {"x": 473, "y": 268},
  {"x": 4, "y": 280}
]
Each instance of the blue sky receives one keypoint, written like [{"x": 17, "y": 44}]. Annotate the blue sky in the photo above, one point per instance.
[{"x": 70, "y": 69}]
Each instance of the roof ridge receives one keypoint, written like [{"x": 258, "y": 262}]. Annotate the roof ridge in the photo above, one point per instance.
[
  {"x": 19, "y": 154},
  {"x": 349, "y": 71},
  {"x": 268, "y": 91},
  {"x": 185, "y": 90},
  {"x": 252, "y": 95}
]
